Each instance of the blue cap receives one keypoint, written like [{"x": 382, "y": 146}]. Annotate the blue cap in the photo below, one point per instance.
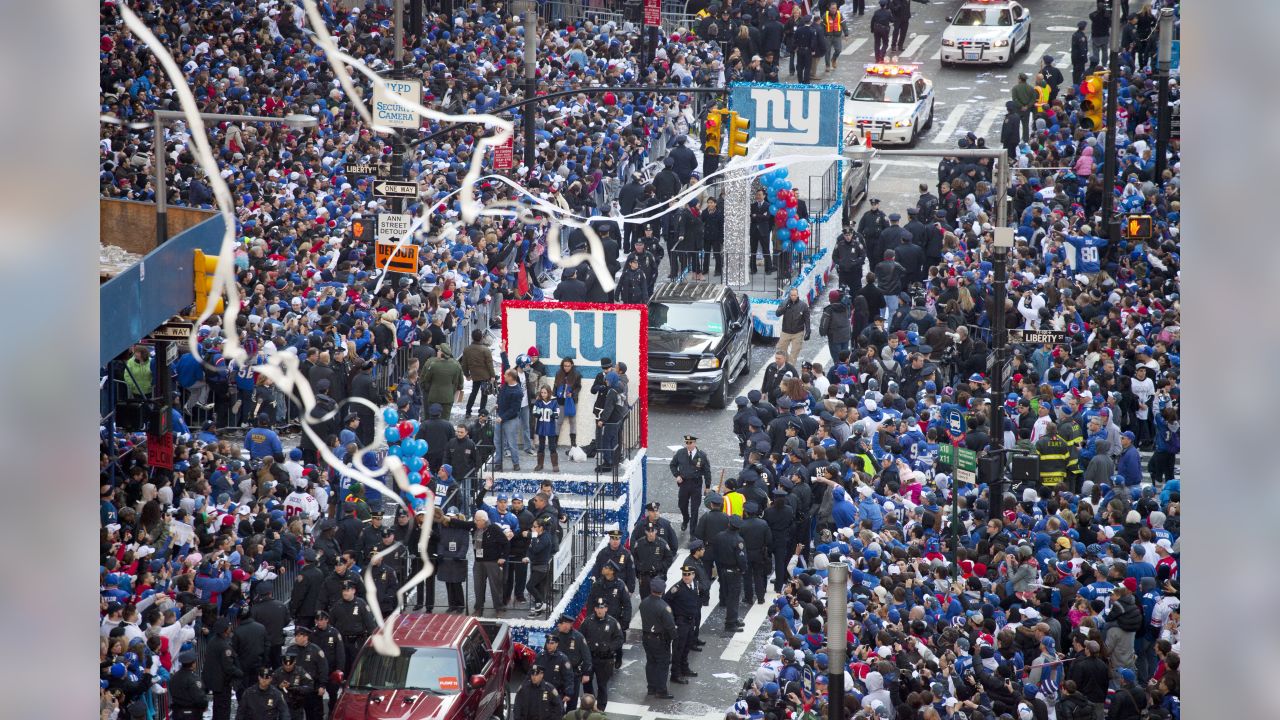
[
  {"x": 503, "y": 497},
  {"x": 1129, "y": 434},
  {"x": 1128, "y": 676},
  {"x": 770, "y": 688}
]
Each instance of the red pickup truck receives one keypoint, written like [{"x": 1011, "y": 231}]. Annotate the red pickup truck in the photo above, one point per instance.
[{"x": 451, "y": 667}]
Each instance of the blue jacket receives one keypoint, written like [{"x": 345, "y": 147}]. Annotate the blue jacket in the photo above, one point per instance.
[
  {"x": 509, "y": 400},
  {"x": 869, "y": 509},
  {"x": 843, "y": 512},
  {"x": 189, "y": 370},
  {"x": 261, "y": 442},
  {"x": 1129, "y": 467}
]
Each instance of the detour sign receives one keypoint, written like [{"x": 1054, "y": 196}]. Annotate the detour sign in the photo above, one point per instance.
[{"x": 404, "y": 261}]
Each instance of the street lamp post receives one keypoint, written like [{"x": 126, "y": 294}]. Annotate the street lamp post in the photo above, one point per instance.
[
  {"x": 530, "y": 17},
  {"x": 1110, "y": 157},
  {"x": 160, "y": 117},
  {"x": 1164, "y": 61}
]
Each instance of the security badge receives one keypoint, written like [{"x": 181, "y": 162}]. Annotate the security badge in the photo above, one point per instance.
[
  {"x": 355, "y": 609},
  {"x": 270, "y": 701},
  {"x": 228, "y": 653}
]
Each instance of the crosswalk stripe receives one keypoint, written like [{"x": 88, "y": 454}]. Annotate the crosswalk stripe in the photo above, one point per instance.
[
  {"x": 852, "y": 47},
  {"x": 1033, "y": 57},
  {"x": 952, "y": 122},
  {"x": 937, "y": 54},
  {"x": 914, "y": 45},
  {"x": 734, "y": 651},
  {"x": 989, "y": 119}
]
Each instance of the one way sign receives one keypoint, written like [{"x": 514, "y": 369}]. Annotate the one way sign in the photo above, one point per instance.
[{"x": 388, "y": 189}]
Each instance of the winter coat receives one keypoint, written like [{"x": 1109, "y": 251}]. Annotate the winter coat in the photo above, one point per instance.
[
  {"x": 441, "y": 377},
  {"x": 477, "y": 362}
]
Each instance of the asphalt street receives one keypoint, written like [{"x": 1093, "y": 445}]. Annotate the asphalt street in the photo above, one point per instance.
[{"x": 969, "y": 99}]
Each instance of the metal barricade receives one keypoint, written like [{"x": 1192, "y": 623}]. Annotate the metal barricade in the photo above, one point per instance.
[{"x": 772, "y": 275}]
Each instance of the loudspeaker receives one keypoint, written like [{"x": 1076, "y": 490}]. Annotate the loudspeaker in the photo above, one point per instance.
[{"x": 1025, "y": 469}]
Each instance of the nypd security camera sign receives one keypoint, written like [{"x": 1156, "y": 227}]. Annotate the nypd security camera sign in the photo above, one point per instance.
[{"x": 388, "y": 112}]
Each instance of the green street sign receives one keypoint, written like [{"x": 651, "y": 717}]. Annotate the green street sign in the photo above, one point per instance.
[
  {"x": 967, "y": 459},
  {"x": 947, "y": 455}
]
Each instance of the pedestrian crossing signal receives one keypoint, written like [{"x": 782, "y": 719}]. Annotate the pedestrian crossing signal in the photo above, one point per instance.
[
  {"x": 738, "y": 126},
  {"x": 206, "y": 266},
  {"x": 362, "y": 229},
  {"x": 1138, "y": 227}
]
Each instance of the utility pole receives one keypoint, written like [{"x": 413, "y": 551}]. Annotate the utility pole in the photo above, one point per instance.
[
  {"x": 837, "y": 636},
  {"x": 158, "y": 152},
  {"x": 398, "y": 34},
  {"x": 1164, "y": 61},
  {"x": 530, "y": 79},
  {"x": 1109, "y": 165}
]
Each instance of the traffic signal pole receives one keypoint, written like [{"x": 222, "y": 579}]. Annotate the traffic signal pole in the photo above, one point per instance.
[
  {"x": 1164, "y": 62},
  {"x": 1109, "y": 226}
]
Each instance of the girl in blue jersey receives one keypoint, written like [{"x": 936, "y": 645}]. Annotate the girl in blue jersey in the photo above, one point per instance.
[{"x": 545, "y": 411}]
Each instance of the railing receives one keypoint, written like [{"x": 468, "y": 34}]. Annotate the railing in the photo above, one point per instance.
[{"x": 821, "y": 202}]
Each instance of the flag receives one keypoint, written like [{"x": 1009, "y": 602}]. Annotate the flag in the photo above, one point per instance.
[{"x": 522, "y": 280}]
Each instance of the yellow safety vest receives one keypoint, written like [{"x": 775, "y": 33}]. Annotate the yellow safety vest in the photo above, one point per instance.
[
  {"x": 1043, "y": 92},
  {"x": 733, "y": 503},
  {"x": 835, "y": 22}
]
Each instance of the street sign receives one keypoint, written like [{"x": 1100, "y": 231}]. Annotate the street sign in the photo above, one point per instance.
[
  {"x": 955, "y": 421},
  {"x": 160, "y": 450},
  {"x": 504, "y": 155},
  {"x": 946, "y": 454},
  {"x": 652, "y": 13},
  {"x": 388, "y": 189},
  {"x": 1038, "y": 337},
  {"x": 388, "y": 112},
  {"x": 404, "y": 261},
  {"x": 367, "y": 168},
  {"x": 966, "y": 459},
  {"x": 393, "y": 226},
  {"x": 173, "y": 330},
  {"x": 966, "y": 476}
]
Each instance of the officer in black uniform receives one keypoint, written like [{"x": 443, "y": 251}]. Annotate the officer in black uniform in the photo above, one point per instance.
[
  {"x": 653, "y": 555},
  {"x": 296, "y": 683},
  {"x": 559, "y": 672},
  {"x": 741, "y": 418},
  {"x": 221, "y": 669},
  {"x": 710, "y": 525},
  {"x": 697, "y": 560},
  {"x": 354, "y": 620},
  {"x": 621, "y": 557},
  {"x": 574, "y": 647},
  {"x": 686, "y": 607},
  {"x": 274, "y": 616},
  {"x": 780, "y": 516},
  {"x": 537, "y": 700},
  {"x": 262, "y": 701},
  {"x": 692, "y": 470},
  {"x": 187, "y": 698},
  {"x": 249, "y": 640},
  {"x": 659, "y": 628},
  {"x": 611, "y": 589},
  {"x": 757, "y": 541},
  {"x": 312, "y": 659},
  {"x": 326, "y": 637},
  {"x": 604, "y": 637},
  {"x": 653, "y": 514},
  {"x": 730, "y": 563}
]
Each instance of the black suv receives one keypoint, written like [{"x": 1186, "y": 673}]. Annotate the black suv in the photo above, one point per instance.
[{"x": 699, "y": 339}]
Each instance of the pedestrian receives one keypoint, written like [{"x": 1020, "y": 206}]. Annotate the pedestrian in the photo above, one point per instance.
[
  {"x": 833, "y": 26},
  {"x": 477, "y": 366},
  {"x": 1010, "y": 128},
  {"x": 263, "y": 700},
  {"x": 537, "y": 699},
  {"x": 658, "y": 628},
  {"x": 691, "y": 469},
  {"x": 652, "y": 555},
  {"x": 805, "y": 43},
  {"x": 795, "y": 325},
  {"x": 187, "y": 698},
  {"x": 1079, "y": 54},
  {"x": 685, "y": 602},
  {"x": 1025, "y": 96},
  {"x": 546, "y": 412},
  {"x": 901, "y": 21},
  {"x": 221, "y": 671},
  {"x": 1100, "y": 34},
  {"x": 730, "y": 565},
  {"x": 542, "y": 549},
  {"x": 509, "y": 408},
  {"x": 354, "y": 620},
  {"x": 604, "y": 638}
]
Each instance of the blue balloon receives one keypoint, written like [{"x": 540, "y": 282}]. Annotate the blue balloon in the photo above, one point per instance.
[
  {"x": 394, "y": 451},
  {"x": 774, "y": 208},
  {"x": 391, "y": 416},
  {"x": 793, "y": 224},
  {"x": 784, "y": 235},
  {"x": 392, "y": 434},
  {"x": 786, "y": 246},
  {"x": 802, "y": 224},
  {"x": 415, "y": 425},
  {"x": 420, "y": 448}
]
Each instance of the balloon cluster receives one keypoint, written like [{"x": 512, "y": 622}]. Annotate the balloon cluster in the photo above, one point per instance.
[
  {"x": 402, "y": 443},
  {"x": 793, "y": 231}
]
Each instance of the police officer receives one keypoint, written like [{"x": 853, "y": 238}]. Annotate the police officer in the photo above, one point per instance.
[
  {"x": 262, "y": 701},
  {"x": 537, "y": 700},
  {"x": 653, "y": 514},
  {"x": 186, "y": 693},
  {"x": 659, "y": 628},
  {"x": 614, "y": 593},
  {"x": 327, "y": 638},
  {"x": 559, "y": 672},
  {"x": 730, "y": 564},
  {"x": 295, "y": 682},
  {"x": 692, "y": 470},
  {"x": 901, "y": 19},
  {"x": 1079, "y": 53},
  {"x": 780, "y": 516},
  {"x": 741, "y": 418},
  {"x": 604, "y": 637},
  {"x": 620, "y": 556},
  {"x": 574, "y": 646},
  {"x": 221, "y": 669},
  {"x": 686, "y": 607},
  {"x": 881, "y": 24},
  {"x": 757, "y": 541},
  {"x": 702, "y": 578},
  {"x": 710, "y": 525},
  {"x": 354, "y": 620},
  {"x": 249, "y": 640},
  {"x": 274, "y": 616},
  {"x": 385, "y": 578},
  {"x": 653, "y": 555},
  {"x": 312, "y": 659}
]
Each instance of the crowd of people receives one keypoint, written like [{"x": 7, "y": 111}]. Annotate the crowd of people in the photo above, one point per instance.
[{"x": 838, "y": 462}]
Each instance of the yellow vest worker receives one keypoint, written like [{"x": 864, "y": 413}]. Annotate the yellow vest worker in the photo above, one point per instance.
[
  {"x": 1056, "y": 458},
  {"x": 733, "y": 502},
  {"x": 834, "y": 21}
]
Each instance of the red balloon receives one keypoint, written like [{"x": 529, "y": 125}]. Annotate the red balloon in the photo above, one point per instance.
[
  {"x": 780, "y": 218},
  {"x": 784, "y": 195},
  {"x": 406, "y": 429},
  {"x": 791, "y": 201}
]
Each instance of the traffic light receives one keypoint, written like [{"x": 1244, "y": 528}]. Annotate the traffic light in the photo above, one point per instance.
[
  {"x": 715, "y": 129},
  {"x": 1092, "y": 105},
  {"x": 362, "y": 229},
  {"x": 205, "y": 268},
  {"x": 738, "y": 134},
  {"x": 1138, "y": 227}
]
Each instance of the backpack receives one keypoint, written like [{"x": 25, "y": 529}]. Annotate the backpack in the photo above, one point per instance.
[{"x": 824, "y": 324}]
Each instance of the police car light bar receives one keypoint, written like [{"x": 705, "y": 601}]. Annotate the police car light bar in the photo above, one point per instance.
[{"x": 890, "y": 70}]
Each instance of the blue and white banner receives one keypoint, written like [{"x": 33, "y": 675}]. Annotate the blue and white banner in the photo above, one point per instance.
[{"x": 810, "y": 116}]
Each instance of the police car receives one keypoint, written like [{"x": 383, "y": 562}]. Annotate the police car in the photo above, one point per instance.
[
  {"x": 892, "y": 103},
  {"x": 986, "y": 31}
]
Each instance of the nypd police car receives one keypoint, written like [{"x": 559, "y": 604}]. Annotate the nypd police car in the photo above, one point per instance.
[
  {"x": 892, "y": 103},
  {"x": 986, "y": 31}
]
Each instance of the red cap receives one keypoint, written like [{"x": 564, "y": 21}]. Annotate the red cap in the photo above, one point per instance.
[
  {"x": 533, "y": 351},
  {"x": 1131, "y": 584}
]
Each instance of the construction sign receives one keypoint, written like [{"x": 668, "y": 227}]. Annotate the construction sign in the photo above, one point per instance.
[{"x": 404, "y": 261}]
